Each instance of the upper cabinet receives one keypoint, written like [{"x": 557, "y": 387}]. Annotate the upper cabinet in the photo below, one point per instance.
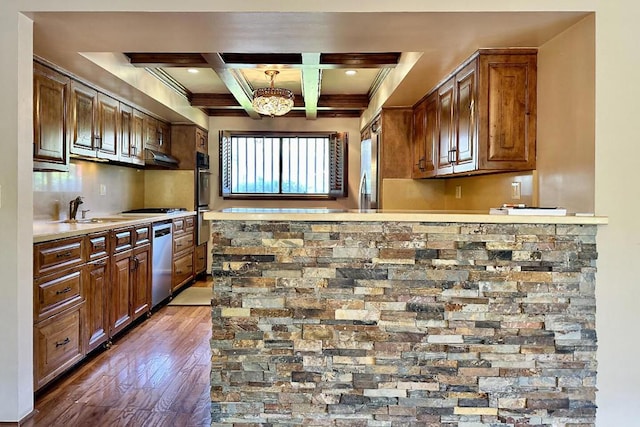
[
  {"x": 94, "y": 123},
  {"x": 186, "y": 141},
  {"x": 483, "y": 117},
  {"x": 72, "y": 117},
  {"x": 50, "y": 124}
]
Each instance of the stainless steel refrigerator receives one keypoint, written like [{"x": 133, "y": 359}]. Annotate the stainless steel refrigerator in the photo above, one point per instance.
[{"x": 369, "y": 171}]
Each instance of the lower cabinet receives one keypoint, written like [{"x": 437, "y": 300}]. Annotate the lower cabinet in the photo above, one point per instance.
[
  {"x": 120, "y": 292},
  {"x": 183, "y": 251},
  {"x": 97, "y": 311},
  {"x": 200, "y": 259},
  {"x": 58, "y": 344},
  {"x": 87, "y": 289},
  {"x": 141, "y": 281}
]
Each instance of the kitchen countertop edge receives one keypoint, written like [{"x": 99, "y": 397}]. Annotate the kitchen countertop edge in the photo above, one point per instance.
[
  {"x": 44, "y": 231},
  {"x": 326, "y": 215}
]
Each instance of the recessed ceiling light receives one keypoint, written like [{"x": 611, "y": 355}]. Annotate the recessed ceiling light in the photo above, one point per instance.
[
  {"x": 350, "y": 72},
  {"x": 193, "y": 70}
]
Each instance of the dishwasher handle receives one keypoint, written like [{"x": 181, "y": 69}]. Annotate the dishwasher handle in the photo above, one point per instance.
[{"x": 161, "y": 230}]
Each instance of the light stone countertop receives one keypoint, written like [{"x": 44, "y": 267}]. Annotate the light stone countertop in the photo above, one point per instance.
[
  {"x": 274, "y": 214},
  {"x": 44, "y": 231}
]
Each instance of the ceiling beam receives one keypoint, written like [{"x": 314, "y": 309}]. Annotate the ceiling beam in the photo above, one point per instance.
[
  {"x": 159, "y": 60},
  {"x": 311, "y": 78},
  {"x": 259, "y": 60},
  {"x": 234, "y": 81},
  {"x": 325, "y": 102}
]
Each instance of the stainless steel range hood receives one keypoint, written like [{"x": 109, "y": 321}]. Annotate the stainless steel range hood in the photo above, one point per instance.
[{"x": 156, "y": 158}]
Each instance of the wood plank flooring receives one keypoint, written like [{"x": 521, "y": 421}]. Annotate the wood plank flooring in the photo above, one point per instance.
[{"x": 157, "y": 374}]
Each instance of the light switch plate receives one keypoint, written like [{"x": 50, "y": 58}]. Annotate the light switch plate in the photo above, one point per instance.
[
  {"x": 103, "y": 190},
  {"x": 515, "y": 190},
  {"x": 458, "y": 192}
]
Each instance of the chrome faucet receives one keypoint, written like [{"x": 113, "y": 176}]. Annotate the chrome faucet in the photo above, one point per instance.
[{"x": 73, "y": 207}]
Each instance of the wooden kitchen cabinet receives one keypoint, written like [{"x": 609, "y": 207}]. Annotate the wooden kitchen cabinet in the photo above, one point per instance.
[
  {"x": 425, "y": 137},
  {"x": 485, "y": 116},
  {"x": 130, "y": 295},
  {"x": 50, "y": 125},
  {"x": 131, "y": 138},
  {"x": 58, "y": 304},
  {"x": 157, "y": 135},
  {"x": 97, "y": 279},
  {"x": 57, "y": 344},
  {"x": 94, "y": 123},
  {"x": 120, "y": 292},
  {"x": 141, "y": 285},
  {"x": 200, "y": 259},
  {"x": 83, "y": 108},
  {"x": 183, "y": 252},
  {"x": 186, "y": 141},
  {"x": 108, "y": 121}
]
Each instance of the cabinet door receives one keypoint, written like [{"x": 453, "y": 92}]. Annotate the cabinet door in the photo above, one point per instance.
[
  {"x": 508, "y": 129},
  {"x": 141, "y": 291},
  {"x": 97, "y": 310},
  {"x": 200, "y": 261},
  {"x": 125, "y": 140},
  {"x": 137, "y": 138},
  {"x": 445, "y": 128},
  {"x": 83, "y": 117},
  {"x": 431, "y": 135},
  {"x": 151, "y": 137},
  {"x": 465, "y": 158},
  {"x": 120, "y": 292},
  {"x": 50, "y": 127},
  {"x": 164, "y": 137},
  {"x": 202, "y": 141},
  {"x": 419, "y": 140},
  {"x": 107, "y": 139}
]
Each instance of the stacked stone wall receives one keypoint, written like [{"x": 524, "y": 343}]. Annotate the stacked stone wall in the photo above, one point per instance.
[{"x": 403, "y": 324}]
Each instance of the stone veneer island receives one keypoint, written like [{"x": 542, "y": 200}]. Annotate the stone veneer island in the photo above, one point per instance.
[{"x": 327, "y": 318}]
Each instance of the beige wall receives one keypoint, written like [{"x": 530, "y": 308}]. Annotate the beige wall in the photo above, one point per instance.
[
  {"x": 52, "y": 191},
  {"x": 169, "y": 189},
  {"x": 489, "y": 191},
  {"x": 566, "y": 119},
  {"x": 216, "y": 124}
]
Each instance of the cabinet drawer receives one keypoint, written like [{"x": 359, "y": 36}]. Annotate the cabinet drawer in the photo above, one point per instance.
[
  {"x": 51, "y": 256},
  {"x": 122, "y": 240},
  {"x": 178, "y": 225},
  {"x": 189, "y": 223},
  {"x": 56, "y": 292},
  {"x": 57, "y": 345},
  {"x": 142, "y": 234},
  {"x": 97, "y": 245},
  {"x": 182, "y": 243},
  {"x": 182, "y": 269}
]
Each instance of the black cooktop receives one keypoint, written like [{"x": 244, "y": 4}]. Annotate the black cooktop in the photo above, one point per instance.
[{"x": 155, "y": 210}]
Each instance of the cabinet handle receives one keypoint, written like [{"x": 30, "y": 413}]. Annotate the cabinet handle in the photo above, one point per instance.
[
  {"x": 102, "y": 263},
  {"x": 422, "y": 164},
  {"x": 63, "y": 255},
  {"x": 178, "y": 271},
  {"x": 64, "y": 291},
  {"x": 63, "y": 342}
]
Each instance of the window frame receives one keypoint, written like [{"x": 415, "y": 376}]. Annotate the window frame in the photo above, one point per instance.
[{"x": 338, "y": 165}]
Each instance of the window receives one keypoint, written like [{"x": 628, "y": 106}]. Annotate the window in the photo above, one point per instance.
[{"x": 283, "y": 165}]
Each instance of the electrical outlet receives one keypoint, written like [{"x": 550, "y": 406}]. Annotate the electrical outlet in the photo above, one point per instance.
[
  {"x": 458, "y": 192},
  {"x": 515, "y": 190},
  {"x": 103, "y": 190}
]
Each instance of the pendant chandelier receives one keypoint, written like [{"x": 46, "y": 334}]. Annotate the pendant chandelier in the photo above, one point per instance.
[{"x": 272, "y": 101}]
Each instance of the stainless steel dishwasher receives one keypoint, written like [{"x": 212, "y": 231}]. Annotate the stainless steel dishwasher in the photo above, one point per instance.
[{"x": 161, "y": 251}]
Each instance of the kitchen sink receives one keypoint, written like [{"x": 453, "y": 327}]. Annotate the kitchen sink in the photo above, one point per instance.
[{"x": 94, "y": 220}]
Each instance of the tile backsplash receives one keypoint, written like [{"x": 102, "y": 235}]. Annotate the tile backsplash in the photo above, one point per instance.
[{"x": 123, "y": 188}]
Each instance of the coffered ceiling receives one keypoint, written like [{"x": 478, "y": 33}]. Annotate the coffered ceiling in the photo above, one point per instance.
[
  {"x": 232, "y": 50},
  {"x": 324, "y": 84}
]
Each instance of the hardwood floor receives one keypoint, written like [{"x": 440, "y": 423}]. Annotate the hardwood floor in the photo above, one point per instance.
[{"x": 157, "y": 374}]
